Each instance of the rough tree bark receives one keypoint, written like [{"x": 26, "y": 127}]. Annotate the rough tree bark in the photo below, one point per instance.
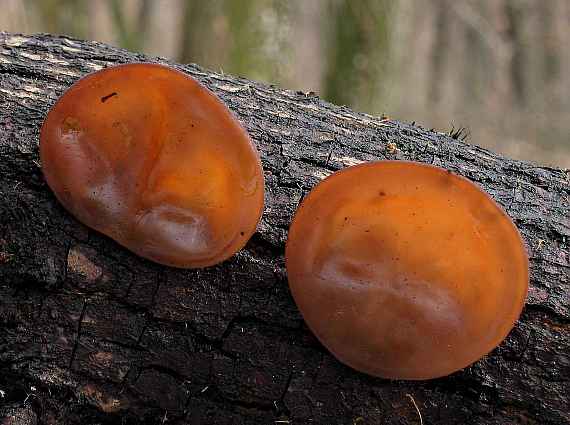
[{"x": 90, "y": 333}]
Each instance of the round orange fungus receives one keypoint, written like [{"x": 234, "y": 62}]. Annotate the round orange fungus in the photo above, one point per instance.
[
  {"x": 146, "y": 155},
  {"x": 404, "y": 270}
]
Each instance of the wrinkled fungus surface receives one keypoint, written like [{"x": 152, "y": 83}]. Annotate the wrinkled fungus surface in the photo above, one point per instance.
[
  {"x": 149, "y": 157},
  {"x": 404, "y": 270}
]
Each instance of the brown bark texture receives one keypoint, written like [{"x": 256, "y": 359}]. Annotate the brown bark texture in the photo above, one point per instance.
[{"x": 90, "y": 333}]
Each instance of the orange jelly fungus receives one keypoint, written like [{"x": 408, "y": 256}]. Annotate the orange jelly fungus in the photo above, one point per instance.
[
  {"x": 404, "y": 270},
  {"x": 146, "y": 155}
]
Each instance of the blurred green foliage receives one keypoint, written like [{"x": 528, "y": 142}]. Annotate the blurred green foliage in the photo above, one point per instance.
[{"x": 61, "y": 16}]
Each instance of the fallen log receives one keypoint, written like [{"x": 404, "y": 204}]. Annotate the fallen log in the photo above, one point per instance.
[{"x": 90, "y": 333}]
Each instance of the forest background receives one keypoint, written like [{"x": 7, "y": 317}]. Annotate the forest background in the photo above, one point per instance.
[{"x": 500, "y": 69}]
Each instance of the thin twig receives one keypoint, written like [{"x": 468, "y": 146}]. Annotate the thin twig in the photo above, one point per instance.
[{"x": 416, "y": 406}]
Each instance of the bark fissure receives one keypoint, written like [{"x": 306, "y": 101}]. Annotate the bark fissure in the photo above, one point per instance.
[{"x": 78, "y": 336}]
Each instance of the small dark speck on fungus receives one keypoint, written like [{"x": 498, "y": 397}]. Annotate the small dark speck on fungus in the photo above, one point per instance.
[
  {"x": 415, "y": 303},
  {"x": 105, "y": 98},
  {"x": 134, "y": 172}
]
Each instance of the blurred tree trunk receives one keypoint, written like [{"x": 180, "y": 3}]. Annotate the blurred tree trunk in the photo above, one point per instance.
[
  {"x": 203, "y": 39},
  {"x": 131, "y": 25},
  {"x": 308, "y": 45},
  {"x": 166, "y": 26},
  {"x": 358, "y": 53}
]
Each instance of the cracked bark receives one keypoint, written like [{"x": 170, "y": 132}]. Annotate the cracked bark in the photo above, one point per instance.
[{"x": 89, "y": 333}]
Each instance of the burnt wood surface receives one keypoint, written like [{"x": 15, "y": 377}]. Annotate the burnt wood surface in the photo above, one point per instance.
[{"x": 90, "y": 333}]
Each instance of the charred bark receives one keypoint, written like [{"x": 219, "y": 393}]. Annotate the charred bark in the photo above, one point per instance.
[{"x": 90, "y": 333}]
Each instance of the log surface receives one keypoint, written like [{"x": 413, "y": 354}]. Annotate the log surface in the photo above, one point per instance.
[{"x": 90, "y": 333}]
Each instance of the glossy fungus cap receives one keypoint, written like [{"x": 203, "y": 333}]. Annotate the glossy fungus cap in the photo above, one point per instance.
[
  {"x": 404, "y": 270},
  {"x": 146, "y": 155}
]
